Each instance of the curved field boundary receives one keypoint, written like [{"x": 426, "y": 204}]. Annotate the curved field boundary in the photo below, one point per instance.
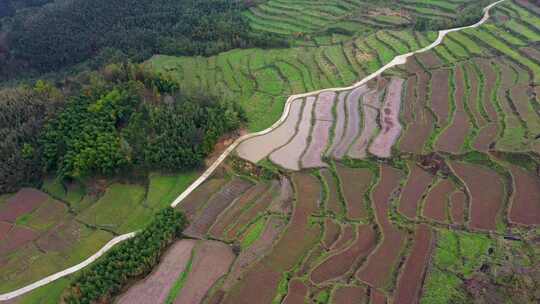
[{"x": 398, "y": 60}]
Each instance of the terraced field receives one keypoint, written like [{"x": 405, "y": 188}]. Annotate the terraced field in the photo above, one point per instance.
[{"x": 420, "y": 186}]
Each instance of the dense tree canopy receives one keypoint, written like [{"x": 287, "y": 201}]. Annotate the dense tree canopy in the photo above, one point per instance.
[
  {"x": 69, "y": 32},
  {"x": 122, "y": 118}
]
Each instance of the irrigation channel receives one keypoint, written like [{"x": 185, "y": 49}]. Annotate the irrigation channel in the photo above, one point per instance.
[{"x": 398, "y": 60}]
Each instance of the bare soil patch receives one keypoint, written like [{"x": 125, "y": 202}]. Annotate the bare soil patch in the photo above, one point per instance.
[
  {"x": 412, "y": 276},
  {"x": 350, "y": 295},
  {"x": 219, "y": 201},
  {"x": 24, "y": 201},
  {"x": 452, "y": 139},
  {"x": 333, "y": 203},
  {"x": 408, "y": 107},
  {"x": 391, "y": 127},
  {"x": 353, "y": 121},
  {"x": 436, "y": 201},
  {"x": 283, "y": 202},
  {"x": 486, "y": 137},
  {"x": 429, "y": 59},
  {"x": 257, "y": 148},
  {"x": 258, "y": 249},
  {"x": 440, "y": 95},
  {"x": 458, "y": 201},
  {"x": 229, "y": 216},
  {"x": 355, "y": 183},
  {"x": 378, "y": 268},
  {"x": 485, "y": 205},
  {"x": 345, "y": 238},
  {"x": 377, "y": 297},
  {"x": 289, "y": 155},
  {"x": 525, "y": 208},
  {"x": 340, "y": 263},
  {"x": 16, "y": 238},
  {"x": 416, "y": 186},
  {"x": 4, "y": 229},
  {"x": 297, "y": 239},
  {"x": 191, "y": 204},
  {"x": 248, "y": 215},
  {"x": 211, "y": 261},
  {"x": 156, "y": 286},
  {"x": 297, "y": 292},
  {"x": 331, "y": 233},
  {"x": 319, "y": 139}
]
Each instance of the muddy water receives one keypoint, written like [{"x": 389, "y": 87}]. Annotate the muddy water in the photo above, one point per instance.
[
  {"x": 257, "y": 148},
  {"x": 391, "y": 127},
  {"x": 353, "y": 121},
  {"x": 319, "y": 140},
  {"x": 339, "y": 127},
  {"x": 289, "y": 155}
]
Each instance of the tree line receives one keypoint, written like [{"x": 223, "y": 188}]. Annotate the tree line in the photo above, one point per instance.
[
  {"x": 130, "y": 260},
  {"x": 56, "y": 36},
  {"x": 121, "y": 118}
]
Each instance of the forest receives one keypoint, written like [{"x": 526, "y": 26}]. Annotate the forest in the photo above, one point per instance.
[
  {"x": 57, "y": 36},
  {"x": 120, "y": 118}
]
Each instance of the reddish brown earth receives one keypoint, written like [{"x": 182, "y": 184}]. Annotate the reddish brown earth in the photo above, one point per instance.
[
  {"x": 451, "y": 140},
  {"x": 416, "y": 186},
  {"x": 229, "y": 216},
  {"x": 211, "y": 261},
  {"x": 458, "y": 201},
  {"x": 346, "y": 237},
  {"x": 429, "y": 59},
  {"x": 474, "y": 101},
  {"x": 297, "y": 292},
  {"x": 331, "y": 233},
  {"x": 23, "y": 202},
  {"x": 436, "y": 202},
  {"x": 333, "y": 203},
  {"x": 258, "y": 249},
  {"x": 248, "y": 215},
  {"x": 339, "y": 127},
  {"x": 490, "y": 80},
  {"x": 412, "y": 276},
  {"x": 191, "y": 204},
  {"x": 381, "y": 262},
  {"x": 486, "y": 137},
  {"x": 156, "y": 286},
  {"x": 311, "y": 260},
  {"x": 485, "y": 205},
  {"x": 378, "y": 297},
  {"x": 16, "y": 238},
  {"x": 408, "y": 106},
  {"x": 355, "y": 183},
  {"x": 59, "y": 238},
  {"x": 521, "y": 100},
  {"x": 525, "y": 208},
  {"x": 350, "y": 295},
  {"x": 219, "y": 201},
  {"x": 440, "y": 95},
  {"x": 297, "y": 239},
  {"x": 531, "y": 52},
  {"x": 340, "y": 263},
  {"x": 417, "y": 132},
  {"x": 283, "y": 202},
  {"x": 4, "y": 229}
]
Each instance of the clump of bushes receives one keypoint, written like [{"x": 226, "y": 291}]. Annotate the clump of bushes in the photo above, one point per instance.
[{"x": 135, "y": 258}]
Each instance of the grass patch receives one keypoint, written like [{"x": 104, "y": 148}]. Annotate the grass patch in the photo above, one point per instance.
[
  {"x": 253, "y": 233},
  {"x": 163, "y": 189}
]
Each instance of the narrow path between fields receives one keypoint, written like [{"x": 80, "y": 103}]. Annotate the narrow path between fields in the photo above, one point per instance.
[{"x": 398, "y": 60}]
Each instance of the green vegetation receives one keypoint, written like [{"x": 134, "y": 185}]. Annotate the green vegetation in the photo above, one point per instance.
[
  {"x": 254, "y": 232},
  {"x": 179, "y": 284},
  {"x": 127, "y": 261},
  {"x": 164, "y": 188}
]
